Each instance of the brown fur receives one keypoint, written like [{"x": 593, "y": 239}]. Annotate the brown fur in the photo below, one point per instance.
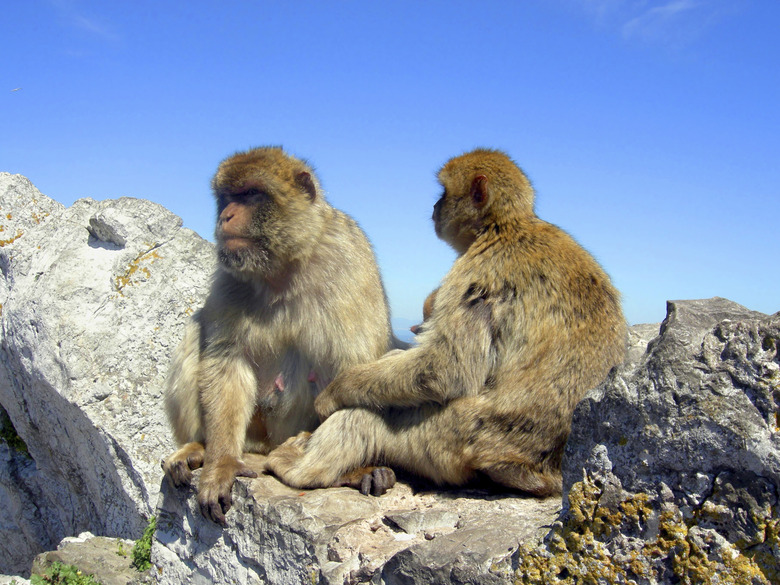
[
  {"x": 525, "y": 322},
  {"x": 296, "y": 299}
]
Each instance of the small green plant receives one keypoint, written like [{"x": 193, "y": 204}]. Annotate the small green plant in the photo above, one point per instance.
[
  {"x": 60, "y": 574},
  {"x": 120, "y": 549},
  {"x": 142, "y": 551},
  {"x": 9, "y": 435}
]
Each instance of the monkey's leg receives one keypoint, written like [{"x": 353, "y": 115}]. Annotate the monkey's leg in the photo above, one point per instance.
[
  {"x": 182, "y": 405},
  {"x": 351, "y": 439},
  {"x": 228, "y": 395},
  {"x": 526, "y": 455},
  {"x": 291, "y": 462}
]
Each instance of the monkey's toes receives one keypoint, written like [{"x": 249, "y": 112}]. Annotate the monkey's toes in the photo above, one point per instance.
[
  {"x": 377, "y": 482},
  {"x": 214, "y": 507},
  {"x": 282, "y": 459},
  {"x": 195, "y": 460}
]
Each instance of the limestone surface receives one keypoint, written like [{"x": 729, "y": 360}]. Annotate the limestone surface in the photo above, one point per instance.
[{"x": 93, "y": 298}]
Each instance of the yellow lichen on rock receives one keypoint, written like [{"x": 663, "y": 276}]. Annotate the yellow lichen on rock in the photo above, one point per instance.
[
  {"x": 577, "y": 549},
  {"x": 19, "y": 234},
  {"x": 136, "y": 272}
]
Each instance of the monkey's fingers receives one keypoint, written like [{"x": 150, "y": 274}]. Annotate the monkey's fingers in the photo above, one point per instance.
[
  {"x": 195, "y": 461},
  {"x": 216, "y": 484},
  {"x": 178, "y": 467},
  {"x": 246, "y": 471},
  {"x": 215, "y": 508},
  {"x": 373, "y": 481},
  {"x": 325, "y": 405},
  {"x": 377, "y": 482},
  {"x": 177, "y": 472}
]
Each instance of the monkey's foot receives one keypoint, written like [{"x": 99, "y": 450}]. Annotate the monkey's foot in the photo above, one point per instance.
[
  {"x": 215, "y": 486},
  {"x": 541, "y": 484},
  {"x": 179, "y": 466},
  {"x": 284, "y": 459},
  {"x": 373, "y": 481}
]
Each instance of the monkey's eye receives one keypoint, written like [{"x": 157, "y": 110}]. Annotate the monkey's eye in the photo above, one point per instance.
[{"x": 251, "y": 196}]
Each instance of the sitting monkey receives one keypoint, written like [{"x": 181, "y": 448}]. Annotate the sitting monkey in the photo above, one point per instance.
[
  {"x": 296, "y": 298},
  {"x": 524, "y": 323}
]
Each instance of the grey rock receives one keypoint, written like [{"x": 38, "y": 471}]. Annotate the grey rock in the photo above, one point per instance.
[
  {"x": 109, "y": 560},
  {"x": 639, "y": 336},
  {"x": 283, "y": 536},
  {"x": 94, "y": 297},
  {"x": 13, "y": 580},
  {"x": 672, "y": 469},
  {"x": 700, "y": 402}
]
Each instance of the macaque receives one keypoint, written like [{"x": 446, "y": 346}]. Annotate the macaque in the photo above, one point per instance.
[
  {"x": 296, "y": 298},
  {"x": 524, "y": 323}
]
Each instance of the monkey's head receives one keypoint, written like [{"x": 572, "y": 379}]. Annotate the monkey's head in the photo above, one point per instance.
[
  {"x": 269, "y": 212},
  {"x": 482, "y": 190}
]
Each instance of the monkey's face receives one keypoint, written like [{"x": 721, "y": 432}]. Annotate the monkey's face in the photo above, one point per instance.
[
  {"x": 242, "y": 219},
  {"x": 266, "y": 213},
  {"x": 456, "y": 219}
]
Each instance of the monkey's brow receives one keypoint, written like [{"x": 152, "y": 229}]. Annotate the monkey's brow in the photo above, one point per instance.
[{"x": 247, "y": 186}]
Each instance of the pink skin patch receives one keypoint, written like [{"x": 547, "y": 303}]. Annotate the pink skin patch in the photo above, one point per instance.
[{"x": 279, "y": 381}]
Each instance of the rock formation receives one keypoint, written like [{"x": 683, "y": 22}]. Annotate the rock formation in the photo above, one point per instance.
[
  {"x": 93, "y": 298},
  {"x": 672, "y": 470},
  {"x": 671, "y": 474}
]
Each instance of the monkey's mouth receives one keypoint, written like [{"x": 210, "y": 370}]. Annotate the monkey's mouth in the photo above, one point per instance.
[{"x": 235, "y": 242}]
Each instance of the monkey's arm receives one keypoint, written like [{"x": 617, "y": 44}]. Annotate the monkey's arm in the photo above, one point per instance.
[
  {"x": 454, "y": 358},
  {"x": 227, "y": 388}
]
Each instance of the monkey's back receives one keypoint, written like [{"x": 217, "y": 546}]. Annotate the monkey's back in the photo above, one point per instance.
[{"x": 556, "y": 329}]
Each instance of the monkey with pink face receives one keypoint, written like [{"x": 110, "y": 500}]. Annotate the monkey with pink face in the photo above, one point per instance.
[{"x": 296, "y": 299}]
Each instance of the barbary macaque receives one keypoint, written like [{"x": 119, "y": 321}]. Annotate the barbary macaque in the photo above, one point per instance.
[
  {"x": 296, "y": 298},
  {"x": 524, "y": 323}
]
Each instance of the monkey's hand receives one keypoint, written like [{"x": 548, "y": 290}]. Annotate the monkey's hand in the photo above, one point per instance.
[
  {"x": 215, "y": 485},
  {"x": 343, "y": 391},
  {"x": 326, "y": 404},
  {"x": 349, "y": 388},
  {"x": 178, "y": 467}
]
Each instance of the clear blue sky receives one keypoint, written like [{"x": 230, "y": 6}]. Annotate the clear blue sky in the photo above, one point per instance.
[{"x": 651, "y": 130}]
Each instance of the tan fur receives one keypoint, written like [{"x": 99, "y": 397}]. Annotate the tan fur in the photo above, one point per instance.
[
  {"x": 525, "y": 322},
  {"x": 296, "y": 299}
]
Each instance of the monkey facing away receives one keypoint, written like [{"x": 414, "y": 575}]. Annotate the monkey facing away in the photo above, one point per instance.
[
  {"x": 524, "y": 323},
  {"x": 297, "y": 298}
]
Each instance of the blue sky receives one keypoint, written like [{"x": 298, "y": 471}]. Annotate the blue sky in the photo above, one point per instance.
[{"x": 651, "y": 130}]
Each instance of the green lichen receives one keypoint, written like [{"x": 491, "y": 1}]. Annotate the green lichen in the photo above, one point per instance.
[{"x": 576, "y": 551}]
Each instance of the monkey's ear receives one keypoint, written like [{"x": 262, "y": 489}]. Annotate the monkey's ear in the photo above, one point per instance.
[
  {"x": 479, "y": 191},
  {"x": 305, "y": 182}
]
